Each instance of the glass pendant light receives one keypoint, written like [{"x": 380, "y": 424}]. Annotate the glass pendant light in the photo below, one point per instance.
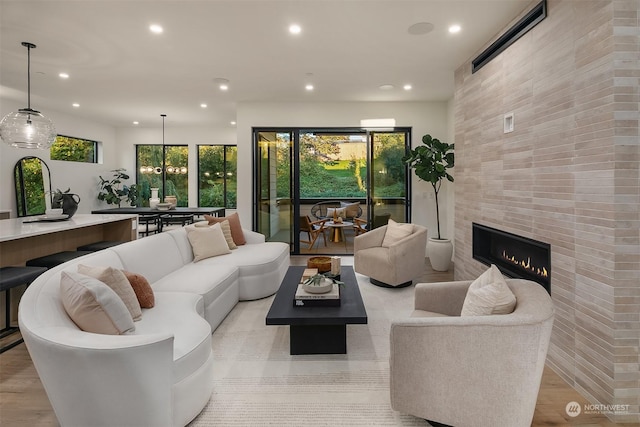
[{"x": 27, "y": 128}]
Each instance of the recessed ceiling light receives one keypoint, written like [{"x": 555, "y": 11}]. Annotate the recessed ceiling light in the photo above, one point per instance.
[
  {"x": 75, "y": 105},
  {"x": 224, "y": 86},
  {"x": 309, "y": 87},
  {"x": 203, "y": 105},
  {"x": 136, "y": 123},
  {"x": 63, "y": 75},
  {"x": 386, "y": 87},
  {"x": 455, "y": 29},
  {"x": 156, "y": 29},
  {"x": 233, "y": 123},
  {"x": 407, "y": 87},
  {"x": 295, "y": 29},
  {"x": 420, "y": 28}
]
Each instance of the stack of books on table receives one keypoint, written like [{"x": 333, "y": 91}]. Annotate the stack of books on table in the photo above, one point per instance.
[{"x": 308, "y": 299}]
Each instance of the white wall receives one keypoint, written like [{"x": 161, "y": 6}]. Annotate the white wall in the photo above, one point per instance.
[
  {"x": 82, "y": 178},
  {"x": 422, "y": 117},
  {"x": 118, "y": 148}
]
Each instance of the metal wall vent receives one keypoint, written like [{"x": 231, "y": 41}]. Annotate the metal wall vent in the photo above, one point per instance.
[{"x": 530, "y": 20}]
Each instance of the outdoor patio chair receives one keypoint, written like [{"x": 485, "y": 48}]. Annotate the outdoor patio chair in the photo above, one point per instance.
[{"x": 313, "y": 229}]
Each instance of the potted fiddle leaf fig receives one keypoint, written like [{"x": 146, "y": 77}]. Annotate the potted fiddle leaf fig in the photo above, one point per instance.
[
  {"x": 430, "y": 162},
  {"x": 114, "y": 191}
]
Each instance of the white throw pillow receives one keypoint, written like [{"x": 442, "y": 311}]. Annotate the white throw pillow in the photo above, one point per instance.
[
  {"x": 207, "y": 242},
  {"x": 226, "y": 230},
  {"x": 94, "y": 306},
  {"x": 395, "y": 232},
  {"x": 116, "y": 280},
  {"x": 351, "y": 210},
  {"x": 489, "y": 294},
  {"x": 341, "y": 212}
]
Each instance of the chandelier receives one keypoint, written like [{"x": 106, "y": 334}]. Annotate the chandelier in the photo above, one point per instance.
[
  {"x": 169, "y": 169},
  {"x": 27, "y": 128}
]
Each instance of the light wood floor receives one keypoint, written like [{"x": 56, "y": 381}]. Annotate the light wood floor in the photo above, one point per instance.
[{"x": 23, "y": 401}]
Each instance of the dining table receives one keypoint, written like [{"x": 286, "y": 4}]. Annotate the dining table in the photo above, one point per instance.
[{"x": 179, "y": 210}]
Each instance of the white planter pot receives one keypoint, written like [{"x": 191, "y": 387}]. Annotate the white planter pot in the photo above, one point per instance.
[{"x": 440, "y": 252}]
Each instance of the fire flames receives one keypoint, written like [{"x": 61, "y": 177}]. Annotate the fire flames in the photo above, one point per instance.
[{"x": 542, "y": 272}]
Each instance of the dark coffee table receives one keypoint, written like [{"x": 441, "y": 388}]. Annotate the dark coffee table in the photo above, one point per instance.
[{"x": 317, "y": 330}]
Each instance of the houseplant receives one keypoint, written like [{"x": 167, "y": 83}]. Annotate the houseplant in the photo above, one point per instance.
[
  {"x": 430, "y": 163},
  {"x": 66, "y": 201},
  {"x": 320, "y": 283},
  {"x": 114, "y": 191}
]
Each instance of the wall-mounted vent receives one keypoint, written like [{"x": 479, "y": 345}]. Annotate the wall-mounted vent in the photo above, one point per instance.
[{"x": 530, "y": 20}]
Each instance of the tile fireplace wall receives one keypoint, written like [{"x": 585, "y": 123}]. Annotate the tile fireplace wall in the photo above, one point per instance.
[{"x": 568, "y": 175}]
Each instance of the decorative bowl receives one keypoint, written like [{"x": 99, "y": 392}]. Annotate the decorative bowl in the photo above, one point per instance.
[
  {"x": 163, "y": 206},
  {"x": 322, "y": 288},
  {"x": 322, "y": 263}
]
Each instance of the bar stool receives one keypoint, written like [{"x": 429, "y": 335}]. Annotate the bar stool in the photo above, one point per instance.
[
  {"x": 58, "y": 258},
  {"x": 98, "y": 246},
  {"x": 11, "y": 277}
]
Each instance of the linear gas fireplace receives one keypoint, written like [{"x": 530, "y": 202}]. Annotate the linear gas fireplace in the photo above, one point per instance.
[{"x": 515, "y": 256}]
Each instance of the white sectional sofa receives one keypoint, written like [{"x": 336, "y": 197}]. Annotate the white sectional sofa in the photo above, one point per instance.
[{"x": 162, "y": 373}]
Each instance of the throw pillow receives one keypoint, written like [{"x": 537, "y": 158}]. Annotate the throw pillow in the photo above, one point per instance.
[
  {"x": 234, "y": 223},
  {"x": 396, "y": 231},
  {"x": 94, "y": 306},
  {"x": 207, "y": 242},
  {"x": 351, "y": 209},
  {"x": 224, "y": 225},
  {"x": 117, "y": 281},
  {"x": 489, "y": 294},
  {"x": 341, "y": 212},
  {"x": 142, "y": 288},
  {"x": 226, "y": 230}
]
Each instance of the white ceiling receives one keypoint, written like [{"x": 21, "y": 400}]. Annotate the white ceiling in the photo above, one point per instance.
[{"x": 121, "y": 72}]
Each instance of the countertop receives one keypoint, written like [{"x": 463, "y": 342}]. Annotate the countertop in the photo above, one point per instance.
[{"x": 16, "y": 228}]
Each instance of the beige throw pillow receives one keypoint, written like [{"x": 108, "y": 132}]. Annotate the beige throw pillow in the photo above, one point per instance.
[
  {"x": 395, "y": 232},
  {"x": 351, "y": 209},
  {"x": 94, "y": 306},
  {"x": 117, "y": 281},
  {"x": 341, "y": 212},
  {"x": 207, "y": 242},
  {"x": 489, "y": 294},
  {"x": 226, "y": 230},
  {"x": 234, "y": 222}
]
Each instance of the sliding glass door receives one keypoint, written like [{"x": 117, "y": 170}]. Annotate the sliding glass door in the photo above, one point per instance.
[
  {"x": 388, "y": 178},
  {"x": 273, "y": 185},
  {"x": 298, "y": 169}
]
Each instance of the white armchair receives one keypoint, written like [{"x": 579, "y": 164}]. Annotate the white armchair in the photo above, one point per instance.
[
  {"x": 472, "y": 370},
  {"x": 395, "y": 265}
]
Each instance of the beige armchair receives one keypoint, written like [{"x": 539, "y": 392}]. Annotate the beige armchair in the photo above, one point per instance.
[
  {"x": 470, "y": 371},
  {"x": 394, "y": 266}
]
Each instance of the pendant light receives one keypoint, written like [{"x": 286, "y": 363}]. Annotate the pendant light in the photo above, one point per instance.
[
  {"x": 158, "y": 170},
  {"x": 27, "y": 128},
  {"x": 168, "y": 169}
]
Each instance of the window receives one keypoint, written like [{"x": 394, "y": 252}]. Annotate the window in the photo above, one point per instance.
[
  {"x": 217, "y": 175},
  {"x": 164, "y": 167},
  {"x": 71, "y": 149}
]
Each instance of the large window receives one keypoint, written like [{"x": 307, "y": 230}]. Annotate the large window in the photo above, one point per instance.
[
  {"x": 298, "y": 168},
  {"x": 217, "y": 175},
  {"x": 164, "y": 167},
  {"x": 71, "y": 149}
]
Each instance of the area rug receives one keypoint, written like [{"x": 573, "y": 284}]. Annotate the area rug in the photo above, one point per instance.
[{"x": 258, "y": 383}]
